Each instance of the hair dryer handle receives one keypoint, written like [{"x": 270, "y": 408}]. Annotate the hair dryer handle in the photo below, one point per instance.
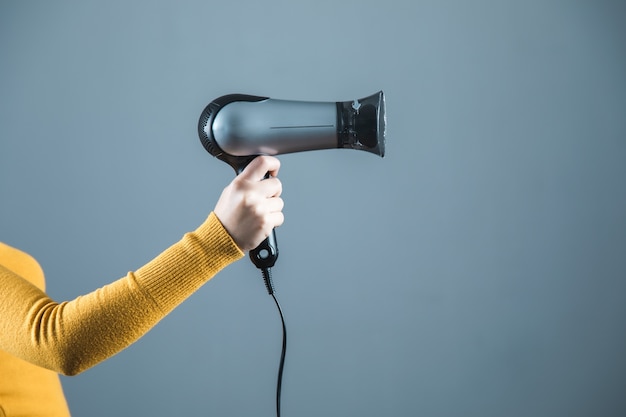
[{"x": 265, "y": 255}]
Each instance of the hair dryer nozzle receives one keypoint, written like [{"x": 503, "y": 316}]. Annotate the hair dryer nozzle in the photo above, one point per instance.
[{"x": 362, "y": 124}]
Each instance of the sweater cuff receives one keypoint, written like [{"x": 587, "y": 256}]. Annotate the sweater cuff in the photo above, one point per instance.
[{"x": 185, "y": 266}]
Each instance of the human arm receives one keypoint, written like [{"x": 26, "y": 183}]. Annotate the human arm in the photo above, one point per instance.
[{"x": 70, "y": 337}]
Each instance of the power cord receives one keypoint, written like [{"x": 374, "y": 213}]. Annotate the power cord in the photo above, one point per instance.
[{"x": 269, "y": 285}]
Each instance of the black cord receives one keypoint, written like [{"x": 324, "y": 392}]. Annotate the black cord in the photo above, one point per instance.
[
  {"x": 267, "y": 277},
  {"x": 282, "y": 358}
]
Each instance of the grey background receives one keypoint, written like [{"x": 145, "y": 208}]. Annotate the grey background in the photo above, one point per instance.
[{"x": 479, "y": 269}]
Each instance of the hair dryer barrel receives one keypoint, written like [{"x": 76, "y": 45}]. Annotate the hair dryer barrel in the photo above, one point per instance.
[{"x": 237, "y": 127}]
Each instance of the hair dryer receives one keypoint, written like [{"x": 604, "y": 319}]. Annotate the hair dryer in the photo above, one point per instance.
[{"x": 237, "y": 127}]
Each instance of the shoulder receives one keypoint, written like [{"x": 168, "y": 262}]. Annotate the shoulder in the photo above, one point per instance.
[{"x": 22, "y": 264}]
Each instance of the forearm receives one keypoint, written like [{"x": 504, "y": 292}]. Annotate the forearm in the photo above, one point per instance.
[{"x": 73, "y": 336}]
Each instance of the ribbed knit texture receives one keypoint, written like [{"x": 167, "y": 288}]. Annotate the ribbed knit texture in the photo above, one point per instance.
[{"x": 40, "y": 337}]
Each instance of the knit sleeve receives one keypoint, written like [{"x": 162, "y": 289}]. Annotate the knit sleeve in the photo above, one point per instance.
[{"x": 72, "y": 336}]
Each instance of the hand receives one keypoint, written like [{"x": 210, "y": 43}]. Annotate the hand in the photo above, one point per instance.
[{"x": 250, "y": 206}]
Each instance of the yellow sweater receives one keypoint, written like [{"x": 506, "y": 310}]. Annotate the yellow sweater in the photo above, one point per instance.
[{"x": 40, "y": 338}]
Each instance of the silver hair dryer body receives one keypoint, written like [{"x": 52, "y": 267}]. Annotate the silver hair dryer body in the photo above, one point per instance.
[{"x": 237, "y": 127}]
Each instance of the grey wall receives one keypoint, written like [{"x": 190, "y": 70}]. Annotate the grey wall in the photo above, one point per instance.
[{"x": 479, "y": 269}]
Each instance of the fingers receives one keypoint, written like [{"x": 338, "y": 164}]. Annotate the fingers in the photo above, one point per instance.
[
  {"x": 260, "y": 167},
  {"x": 277, "y": 219},
  {"x": 270, "y": 187},
  {"x": 275, "y": 206},
  {"x": 255, "y": 175}
]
